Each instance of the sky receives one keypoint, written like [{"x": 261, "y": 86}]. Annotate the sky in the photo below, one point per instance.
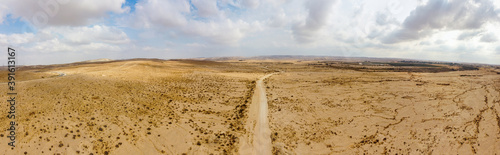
[{"x": 64, "y": 31}]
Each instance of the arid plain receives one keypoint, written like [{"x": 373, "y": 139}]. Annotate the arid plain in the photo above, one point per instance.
[{"x": 152, "y": 106}]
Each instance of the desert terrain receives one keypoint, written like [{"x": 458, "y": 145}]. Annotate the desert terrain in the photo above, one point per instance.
[
  {"x": 349, "y": 108},
  {"x": 130, "y": 107},
  {"x": 255, "y": 106}
]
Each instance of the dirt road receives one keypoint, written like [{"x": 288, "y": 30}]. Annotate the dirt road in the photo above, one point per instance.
[{"x": 258, "y": 123}]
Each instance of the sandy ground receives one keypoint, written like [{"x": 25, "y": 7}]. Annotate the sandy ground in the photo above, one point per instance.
[
  {"x": 350, "y": 112},
  {"x": 130, "y": 107},
  {"x": 202, "y": 107}
]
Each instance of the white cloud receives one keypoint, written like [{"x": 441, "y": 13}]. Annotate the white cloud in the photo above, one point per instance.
[
  {"x": 319, "y": 12},
  {"x": 87, "y": 35},
  {"x": 162, "y": 13},
  {"x": 444, "y": 15},
  {"x": 56, "y": 51},
  {"x": 223, "y": 32},
  {"x": 16, "y": 39},
  {"x": 456, "y": 14},
  {"x": 63, "y": 12},
  {"x": 206, "y": 8},
  {"x": 250, "y": 3},
  {"x": 70, "y": 43},
  {"x": 279, "y": 19},
  {"x": 468, "y": 35},
  {"x": 3, "y": 12},
  {"x": 196, "y": 45},
  {"x": 434, "y": 29},
  {"x": 385, "y": 19},
  {"x": 51, "y": 46},
  {"x": 490, "y": 37},
  {"x": 173, "y": 18}
]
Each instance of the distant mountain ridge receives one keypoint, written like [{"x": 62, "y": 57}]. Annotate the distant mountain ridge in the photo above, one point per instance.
[
  {"x": 98, "y": 60},
  {"x": 328, "y": 58},
  {"x": 303, "y": 57}
]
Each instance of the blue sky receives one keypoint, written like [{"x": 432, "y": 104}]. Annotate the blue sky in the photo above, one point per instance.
[
  {"x": 130, "y": 4},
  {"x": 61, "y": 32}
]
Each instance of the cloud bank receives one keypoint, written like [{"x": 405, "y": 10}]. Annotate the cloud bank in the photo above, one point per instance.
[{"x": 448, "y": 30}]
